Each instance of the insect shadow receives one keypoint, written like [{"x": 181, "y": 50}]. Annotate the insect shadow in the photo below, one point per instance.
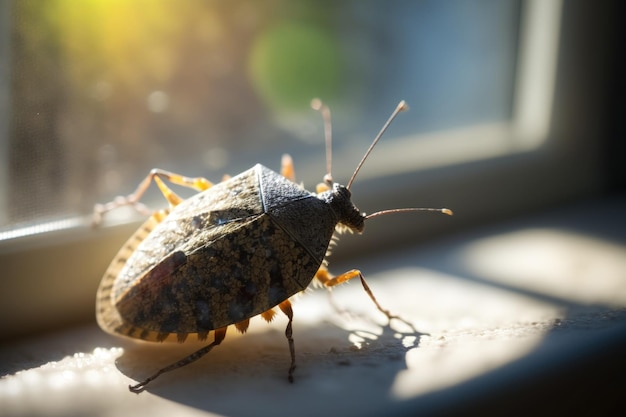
[{"x": 334, "y": 355}]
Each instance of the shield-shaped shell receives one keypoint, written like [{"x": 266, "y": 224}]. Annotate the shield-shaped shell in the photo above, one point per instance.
[{"x": 220, "y": 257}]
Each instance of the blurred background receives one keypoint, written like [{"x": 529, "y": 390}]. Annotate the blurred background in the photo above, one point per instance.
[
  {"x": 101, "y": 91},
  {"x": 516, "y": 106}
]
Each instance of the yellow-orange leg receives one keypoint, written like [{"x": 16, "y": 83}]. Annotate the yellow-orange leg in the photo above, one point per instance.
[
  {"x": 285, "y": 306},
  {"x": 328, "y": 280},
  {"x": 286, "y": 168},
  {"x": 156, "y": 175},
  {"x": 219, "y": 337},
  {"x": 268, "y": 315}
]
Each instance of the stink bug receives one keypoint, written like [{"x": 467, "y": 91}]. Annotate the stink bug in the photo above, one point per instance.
[{"x": 235, "y": 250}]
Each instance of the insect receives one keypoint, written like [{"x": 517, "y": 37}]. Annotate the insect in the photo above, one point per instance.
[{"x": 235, "y": 250}]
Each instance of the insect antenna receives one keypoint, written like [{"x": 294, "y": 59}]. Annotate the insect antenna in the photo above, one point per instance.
[
  {"x": 317, "y": 104},
  {"x": 403, "y": 210},
  {"x": 402, "y": 106}
]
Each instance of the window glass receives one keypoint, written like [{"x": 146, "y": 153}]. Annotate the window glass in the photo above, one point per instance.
[{"x": 98, "y": 92}]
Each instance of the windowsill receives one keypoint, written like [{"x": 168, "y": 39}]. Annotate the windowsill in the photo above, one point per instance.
[{"x": 508, "y": 318}]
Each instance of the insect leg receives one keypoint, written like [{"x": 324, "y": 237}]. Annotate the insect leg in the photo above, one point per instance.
[
  {"x": 219, "y": 336},
  {"x": 268, "y": 315},
  {"x": 156, "y": 175},
  {"x": 328, "y": 280},
  {"x": 285, "y": 306},
  {"x": 286, "y": 168},
  {"x": 242, "y": 326}
]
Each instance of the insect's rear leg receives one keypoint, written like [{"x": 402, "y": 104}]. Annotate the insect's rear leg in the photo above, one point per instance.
[
  {"x": 328, "y": 280},
  {"x": 156, "y": 175},
  {"x": 219, "y": 337}
]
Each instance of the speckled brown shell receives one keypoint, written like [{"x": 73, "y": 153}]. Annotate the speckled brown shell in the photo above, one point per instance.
[{"x": 220, "y": 257}]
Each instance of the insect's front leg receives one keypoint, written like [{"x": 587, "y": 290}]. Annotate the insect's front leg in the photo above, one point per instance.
[
  {"x": 329, "y": 280},
  {"x": 156, "y": 175}
]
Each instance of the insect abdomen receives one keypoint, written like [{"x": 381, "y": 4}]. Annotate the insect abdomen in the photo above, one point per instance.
[{"x": 238, "y": 276}]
